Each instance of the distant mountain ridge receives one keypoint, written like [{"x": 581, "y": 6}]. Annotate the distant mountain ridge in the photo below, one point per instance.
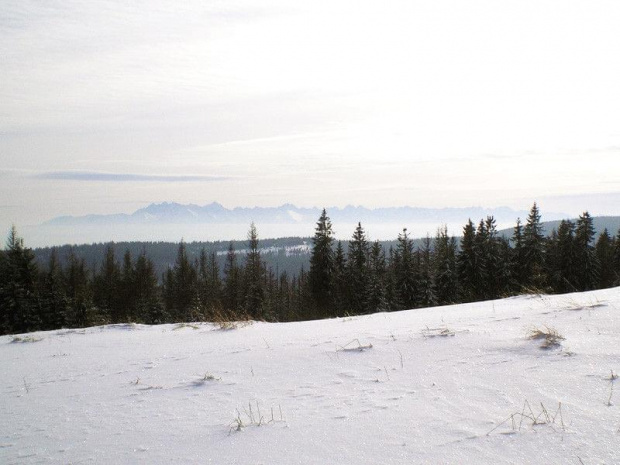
[{"x": 175, "y": 213}]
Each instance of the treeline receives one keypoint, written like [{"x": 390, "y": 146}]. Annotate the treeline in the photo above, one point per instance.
[
  {"x": 343, "y": 279},
  {"x": 283, "y": 254}
]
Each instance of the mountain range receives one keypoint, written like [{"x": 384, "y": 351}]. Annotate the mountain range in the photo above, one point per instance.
[{"x": 213, "y": 213}]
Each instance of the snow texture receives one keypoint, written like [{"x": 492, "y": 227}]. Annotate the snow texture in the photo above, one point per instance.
[{"x": 450, "y": 385}]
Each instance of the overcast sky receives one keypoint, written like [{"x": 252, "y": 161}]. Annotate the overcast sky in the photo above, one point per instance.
[{"x": 106, "y": 106}]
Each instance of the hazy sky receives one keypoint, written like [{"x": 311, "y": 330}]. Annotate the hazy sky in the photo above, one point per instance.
[{"x": 106, "y": 106}]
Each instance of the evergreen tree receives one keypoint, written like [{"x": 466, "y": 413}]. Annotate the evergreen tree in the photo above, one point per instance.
[
  {"x": 481, "y": 253},
  {"x": 518, "y": 265},
  {"x": 107, "y": 294},
  {"x": 534, "y": 251},
  {"x": 605, "y": 258},
  {"x": 617, "y": 259},
  {"x": 587, "y": 262},
  {"x": 445, "y": 269},
  {"x": 19, "y": 301},
  {"x": 404, "y": 268},
  {"x": 321, "y": 271},
  {"x": 377, "y": 287},
  {"x": 496, "y": 262},
  {"x": 254, "y": 278},
  {"x": 468, "y": 264},
  {"x": 232, "y": 278},
  {"x": 339, "y": 283},
  {"x": 357, "y": 271},
  {"x": 561, "y": 258},
  {"x": 181, "y": 288},
  {"x": 53, "y": 299},
  {"x": 77, "y": 289},
  {"x": 210, "y": 285},
  {"x": 147, "y": 305},
  {"x": 428, "y": 297}
]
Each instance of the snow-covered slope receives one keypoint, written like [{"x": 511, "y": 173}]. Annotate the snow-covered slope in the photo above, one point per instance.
[{"x": 460, "y": 384}]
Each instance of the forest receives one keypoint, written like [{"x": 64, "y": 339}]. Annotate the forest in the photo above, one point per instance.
[{"x": 353, "y": 278}]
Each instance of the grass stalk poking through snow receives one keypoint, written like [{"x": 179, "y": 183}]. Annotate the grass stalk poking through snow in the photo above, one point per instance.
[
  {"x": 253, "y": 417},
  {"x": 527, "y": 413}
]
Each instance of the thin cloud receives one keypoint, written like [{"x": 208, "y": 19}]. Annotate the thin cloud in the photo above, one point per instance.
[{"x": 126, "y": 177}]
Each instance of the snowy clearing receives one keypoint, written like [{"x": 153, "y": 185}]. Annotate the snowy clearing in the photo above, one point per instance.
[{"x": 473, "y": 383}]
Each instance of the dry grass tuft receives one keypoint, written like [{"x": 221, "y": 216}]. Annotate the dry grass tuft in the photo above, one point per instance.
[
  {"x": 19, "y": 339},
  {"x": 534, "y": 418},
  {"x": 437, "y": 332},
  {"x": 550, "y": 337},
  {"x": 227, "y": 320}
]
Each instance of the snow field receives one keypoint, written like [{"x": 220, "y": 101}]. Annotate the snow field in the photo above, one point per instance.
[{"x": 439, "y": 385}]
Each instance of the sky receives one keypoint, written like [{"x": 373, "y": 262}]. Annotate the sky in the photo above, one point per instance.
[{"x": 108, "y": 106}]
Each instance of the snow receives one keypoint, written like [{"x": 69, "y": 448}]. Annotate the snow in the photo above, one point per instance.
[{"x": 438, "y": 385}]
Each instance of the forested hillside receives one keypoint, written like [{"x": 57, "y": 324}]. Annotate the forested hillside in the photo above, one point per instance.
[{"x": 358, "y": 277}]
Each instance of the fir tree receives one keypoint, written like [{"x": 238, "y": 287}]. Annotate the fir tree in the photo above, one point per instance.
[
  {"x": 181, "y": 288},
  {"x": 147, "y": 305},
  {"x": 561, "y": 258},
  {"x": 53, "y": 298},
  {"x": 254, "y": 277},
  {"x": 321, "y": 271},
  {"x": 617, "y": 259},
  {"x": 534, "y": 251},
  {"x": 340, "y": 283},
  {"x": 587, "y": 262},
  {"x": 404, "y": 268},
  {"x": 232, "y": 278},
  {"x": 428, "y": 297},
  {"x": 107, "y": 295},
  {"x": 518, "y": 265},
  {"x": 377, "y": 287},
  {"x": 77, "y": 289},
  {"x": 19, "y": 301},
  {"x": 357, "y": 271},
  {"x": 445, "y": 269},
  {"x": 605, "y": 257},
  {"x": 468, "y": 264}
]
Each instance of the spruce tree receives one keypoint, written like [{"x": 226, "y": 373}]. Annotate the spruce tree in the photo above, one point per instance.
[
  {"x": 232, "y": 282},
  {"x": 107, "y": 295},
  {"x": 468, "y": 264},
  {"x": 77, "y": 289},
  {"x": 321, "y": 271},
  {"x": 147, "y": 305},
  {"x": 588, "y": 266},
  {"x": 53, "y": 298},
  {"x": 181, "y": 288},
  {"x": 617, "y": 259},
  {"x": 605, "y": 256},
  {"x": 534, "y": 251},
  {"x": 562, "y": 263},
  {"x": 518, "y": 265},
  {"x": 19, "y": 301},
  {"x": 445, "y": 269},
  {"x": 357, "y": 271},
  {"x": 254, "y": 285},
  {"x": 377, "y": 287},
  {"x": 428, "y": 297},
  {"x": 339, "y": 304},
  {"x": 404, "y": 268}
]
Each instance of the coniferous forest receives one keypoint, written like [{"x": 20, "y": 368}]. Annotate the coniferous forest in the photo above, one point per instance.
[{"x": 357, "y": 277}]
